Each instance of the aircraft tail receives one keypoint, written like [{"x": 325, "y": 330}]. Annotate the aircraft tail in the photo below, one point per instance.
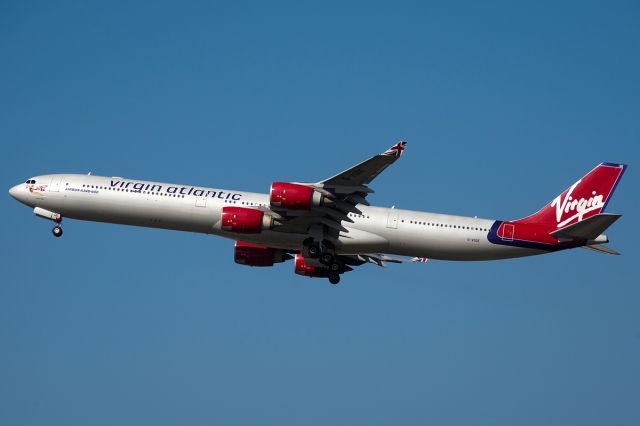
[{"x": 587, "y": 198}]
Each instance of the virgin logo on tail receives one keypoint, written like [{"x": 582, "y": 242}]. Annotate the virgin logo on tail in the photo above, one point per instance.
[{"x": 580, "y": 206}]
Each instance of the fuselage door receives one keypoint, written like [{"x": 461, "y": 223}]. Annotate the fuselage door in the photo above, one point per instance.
[
  {"x": 392, "y": 220},
  {"x": 55, "y": 183},
  {"x": 507, "y": 232}
]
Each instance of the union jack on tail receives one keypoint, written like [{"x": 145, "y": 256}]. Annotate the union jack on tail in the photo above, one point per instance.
[{"x": 396, "y": 150}]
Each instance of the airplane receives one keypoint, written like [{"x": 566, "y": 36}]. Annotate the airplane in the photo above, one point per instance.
[{"x": 329, "y": 227}]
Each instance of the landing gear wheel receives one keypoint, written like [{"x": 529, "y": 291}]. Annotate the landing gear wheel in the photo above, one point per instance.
[
  {"x": 335, "y": 267},
  {"x": 57, "y": 231},
  {"x": 314, "y": 251},
  {"x": 334, "y": 279},
  {"x": 327, "y": 258}
]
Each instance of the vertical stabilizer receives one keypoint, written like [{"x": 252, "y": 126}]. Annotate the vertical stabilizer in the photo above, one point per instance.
[{"x": 585, "y": 198}]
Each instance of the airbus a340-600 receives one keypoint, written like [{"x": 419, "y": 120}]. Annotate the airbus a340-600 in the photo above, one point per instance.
[{"x": 328, "y": 227}]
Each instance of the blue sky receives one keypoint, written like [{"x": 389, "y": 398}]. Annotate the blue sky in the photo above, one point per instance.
[{"x": 503, "y": 106}]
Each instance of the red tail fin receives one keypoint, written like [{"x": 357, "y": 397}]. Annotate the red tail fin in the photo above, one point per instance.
[{"x": 585, "y": 198}]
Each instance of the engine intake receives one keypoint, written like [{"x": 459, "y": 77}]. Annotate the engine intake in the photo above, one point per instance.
[
  {"x": 254, "y": 255},
  {"x": 245, "y": 221},
  {"x": 294, "y": 196}
]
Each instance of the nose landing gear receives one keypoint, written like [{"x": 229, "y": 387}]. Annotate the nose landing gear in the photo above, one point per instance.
[
  {"x": 56, "y": 217},
  {"x": 57, "y": 231}
]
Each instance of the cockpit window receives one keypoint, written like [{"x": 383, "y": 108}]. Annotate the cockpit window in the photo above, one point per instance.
[{"x": 31, "y": 181}]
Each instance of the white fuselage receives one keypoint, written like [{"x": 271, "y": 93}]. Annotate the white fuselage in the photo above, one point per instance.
[{"x": 198, "y": 209}]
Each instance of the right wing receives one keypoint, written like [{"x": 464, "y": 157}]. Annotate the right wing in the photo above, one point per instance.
[
  {"x": 345, "y": 191},
  {"x": 362, "y": 174}
]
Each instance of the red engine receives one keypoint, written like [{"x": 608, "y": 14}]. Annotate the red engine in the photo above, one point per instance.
[
  {"x": 294, "y": 196},
  {"x": 303, "y": 268},
  {"x": 253, "y": 255},
  {"x": 245, "y": 221}
]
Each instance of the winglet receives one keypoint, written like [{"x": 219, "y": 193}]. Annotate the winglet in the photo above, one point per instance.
[{"x": 396, "y": 150}]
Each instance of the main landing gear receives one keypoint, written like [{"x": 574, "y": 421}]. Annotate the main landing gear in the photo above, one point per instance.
[{"x": 325, "y": 254}]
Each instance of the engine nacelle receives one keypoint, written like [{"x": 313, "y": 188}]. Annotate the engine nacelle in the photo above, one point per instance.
[
  {"x": 294, "y": 196},
  {"x": 254, "y": 255},
  {"x": 303, "y": 268},
  {"x": 245, "y": 221}
]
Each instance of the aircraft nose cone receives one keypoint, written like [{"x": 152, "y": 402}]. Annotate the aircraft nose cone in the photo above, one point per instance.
[{"x": 15, "y": 191}]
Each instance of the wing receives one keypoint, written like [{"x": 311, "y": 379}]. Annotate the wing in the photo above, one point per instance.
[
  {"x": 344, "y": 191},
  {"x": 351, "y": 186},
  {"x": 363, "y": 173}
]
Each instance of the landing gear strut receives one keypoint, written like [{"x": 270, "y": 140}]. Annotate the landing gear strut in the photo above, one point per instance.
[{"x": 57, "y": 231}]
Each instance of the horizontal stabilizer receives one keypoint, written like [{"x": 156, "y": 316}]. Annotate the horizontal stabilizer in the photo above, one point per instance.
[
  {"x": 587, "y": 229},
  {"x": 602, "y": 249}
]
